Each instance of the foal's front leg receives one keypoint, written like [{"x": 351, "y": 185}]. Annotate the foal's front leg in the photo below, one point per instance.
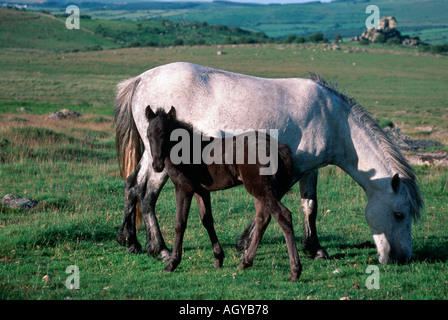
[
  {"x": 183, "y": 202},
  {"x": 205, "y": 210}
]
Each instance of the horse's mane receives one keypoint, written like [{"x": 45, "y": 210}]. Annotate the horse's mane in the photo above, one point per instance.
[{"x": 398, "y": 162}]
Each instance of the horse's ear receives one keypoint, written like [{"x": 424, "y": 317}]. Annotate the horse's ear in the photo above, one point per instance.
[
  {"x": 395, "y": 182},
  {"x": 172, "y": 114},
  {"x": 149, "y": 113}
]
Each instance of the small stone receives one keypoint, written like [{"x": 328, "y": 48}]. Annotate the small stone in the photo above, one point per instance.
[
  {"x": 17, "y": 202},
  {"x": 64, "y": 114}
]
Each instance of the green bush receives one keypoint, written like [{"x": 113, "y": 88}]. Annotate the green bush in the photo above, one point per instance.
[{"x": 381, "y": 38}]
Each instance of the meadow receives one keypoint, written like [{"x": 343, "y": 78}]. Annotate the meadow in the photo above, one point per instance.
[{"x": 70, "y": 168}]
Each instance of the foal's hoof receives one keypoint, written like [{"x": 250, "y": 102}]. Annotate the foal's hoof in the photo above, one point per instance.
[
  {"x": 170, "y": 267},
  {"x": 295, "y": 274},
  {"x": 244, "y": 265},
  {"x": 218, "y": 263}
]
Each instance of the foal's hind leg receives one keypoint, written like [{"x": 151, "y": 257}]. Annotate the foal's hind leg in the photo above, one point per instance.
[
  {"x": 284, "y": 219},
  {"x": 261, "y": 221},
  {"x": 205, "y": 211},
  {"x": 308, "y": 185}
]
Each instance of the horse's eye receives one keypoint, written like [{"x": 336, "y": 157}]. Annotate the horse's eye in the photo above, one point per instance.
[{"x": 399, "y": 215}]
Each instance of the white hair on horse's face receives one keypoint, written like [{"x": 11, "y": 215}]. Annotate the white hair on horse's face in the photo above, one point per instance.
[{"x": 389, "y": 216}]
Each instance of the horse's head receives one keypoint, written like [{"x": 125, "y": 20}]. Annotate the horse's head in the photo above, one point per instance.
[
  {"x": 159, "y": 130},
  {"x": 389, "y": 213}
]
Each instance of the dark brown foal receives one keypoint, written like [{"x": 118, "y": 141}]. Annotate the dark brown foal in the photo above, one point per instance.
[{"x": 224, "y": 163}]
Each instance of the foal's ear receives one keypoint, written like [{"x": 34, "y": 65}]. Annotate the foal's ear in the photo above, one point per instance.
[
  {"x": 149, "y": 113},
  {"x": 172, "y": 114},
  {"x": 395, "y": 182}
]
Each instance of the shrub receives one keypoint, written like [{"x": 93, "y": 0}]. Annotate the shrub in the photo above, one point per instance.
[
  {"x": 178, "y": 42},
  {"x": 290, "y": 38},
  {"x": 316, "y": 37},
  {"x": 381, "y": 38}
]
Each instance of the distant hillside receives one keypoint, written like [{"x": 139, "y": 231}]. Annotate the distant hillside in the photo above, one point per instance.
[
  {"x": 426, "y": 19},
  {"x": 19, "y": 29},
  {"x": 29, "y": 30}
]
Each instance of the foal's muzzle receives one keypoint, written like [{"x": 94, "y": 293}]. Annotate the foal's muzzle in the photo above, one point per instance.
[{"x": 159, "y": 166}]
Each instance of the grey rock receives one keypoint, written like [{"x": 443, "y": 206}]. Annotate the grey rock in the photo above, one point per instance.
[{"x": 17, "y": 202}]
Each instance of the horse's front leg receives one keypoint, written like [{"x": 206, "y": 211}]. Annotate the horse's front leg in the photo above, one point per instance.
[
  {"x": 183, "y": 202},
  {"x": 308, "y": 187}
]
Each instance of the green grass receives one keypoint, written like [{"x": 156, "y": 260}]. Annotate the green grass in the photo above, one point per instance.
[{"x": 69, "y": 167}]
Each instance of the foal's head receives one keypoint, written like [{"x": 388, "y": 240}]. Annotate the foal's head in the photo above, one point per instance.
[{"x": 159, "y": 131}]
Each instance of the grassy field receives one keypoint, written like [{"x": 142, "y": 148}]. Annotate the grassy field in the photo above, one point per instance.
[{"x": 69, "y": 167}]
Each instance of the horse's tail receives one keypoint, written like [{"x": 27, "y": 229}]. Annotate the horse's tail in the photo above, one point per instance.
[{"x": 127, "y": 138}]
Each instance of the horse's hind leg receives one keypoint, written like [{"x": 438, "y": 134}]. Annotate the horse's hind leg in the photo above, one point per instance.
[
  {"x": 126, "y": 235},
  {"x": 205, "y": 211},
  {"x": 308, "y": 186}
]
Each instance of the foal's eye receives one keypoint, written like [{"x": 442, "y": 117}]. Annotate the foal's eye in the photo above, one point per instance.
[{"x": 399, "y": 215}]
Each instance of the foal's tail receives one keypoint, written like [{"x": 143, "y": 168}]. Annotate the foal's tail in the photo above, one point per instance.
[{"x": 127, "y": 139}]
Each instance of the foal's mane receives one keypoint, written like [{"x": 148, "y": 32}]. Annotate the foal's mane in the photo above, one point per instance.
[
  {"x": 398, "y": 163},
  {"x": 175, "y": 123}
]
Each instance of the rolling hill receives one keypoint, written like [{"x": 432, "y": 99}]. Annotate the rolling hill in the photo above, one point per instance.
[
  {"x": 426, "y": 19},
  {"x": 31, "y": 30}
]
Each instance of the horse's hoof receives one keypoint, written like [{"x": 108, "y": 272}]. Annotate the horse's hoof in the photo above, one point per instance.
[
  {"x": 134, "y": 248},
  {"x": 166, "y": 255},
  {"x": 321, "y": 254},
  {"x": 121, "y": 239}
]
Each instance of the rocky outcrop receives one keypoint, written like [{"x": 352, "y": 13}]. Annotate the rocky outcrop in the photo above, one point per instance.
[
  {"x": 387, "y": 32},
  {"x": 416, "y": 150}
]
